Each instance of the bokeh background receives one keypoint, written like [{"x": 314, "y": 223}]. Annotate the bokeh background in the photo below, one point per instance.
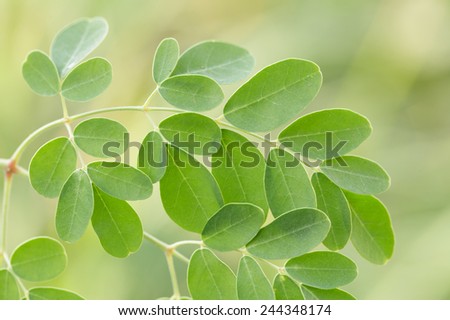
[{"x": 387, "y": 59}]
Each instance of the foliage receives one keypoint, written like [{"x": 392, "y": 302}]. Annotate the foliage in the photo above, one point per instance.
[{"x": 278, "y": 204}]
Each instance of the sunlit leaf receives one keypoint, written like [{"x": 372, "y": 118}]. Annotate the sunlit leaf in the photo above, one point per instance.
[
  {"x": 166, "y": 57},
  {"x": 286, "y": 289},
  {"x": 40, "y": 73},
  {"x": 52, "y": 164},
  {"x": 48, "y": 293},
  {"x": 252, "y": 283},
  {"x": 312, "y": 293},
  {"x": 152, "y": 159}
]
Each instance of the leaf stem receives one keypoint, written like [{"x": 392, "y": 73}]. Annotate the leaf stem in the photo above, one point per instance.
[
  {"x": 149, "y": 98},
  {"x": 18, "y": 280},
  {"x": 164, "y": 246},
  {"x": 4, "y": 213},
  {"x": 173, "y": 275},
  {"x": 64, "y": 107},
  {"x": 186, "y": 242}
]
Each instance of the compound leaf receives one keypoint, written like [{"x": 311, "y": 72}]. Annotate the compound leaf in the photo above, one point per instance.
[
  {"x": 286, "y": 289},
  {"x": 192, "y": 132},
  {"x": 233, "y": 226},
  {"x": 189, "y": 193},
  {"x": 332, "y": 201},
  {"x": 87, "y": 80},
  {"x": 312, "y": 293},
  {"x": 209, "y": 278},
  {"x": 52, "y": 164},
  {"x": 117, "y": 225},
  {"x": 287, "y": 183},
  {"x": 291, "y": 234},
  {"x": 223, "y": 62},
  {"x": 356, "y": 174},
  {"x": 76, "y": 41},
  {"x": 120, "y": 180},
  {"x": 152, "y": 159},
  {"x": 101, "y": 138},
  {"x": 39, "y": 259},
  {"x": 166, "y": 57},
  {"x": 40, "y": 73},
  {"x": 48, "y": 293},
  {"x": 274, "y": 95},
  {"x": 372, "y": 233},
  {"x": 8, "y": 286},
  {"x": 75, "y": 207},
  {"x": 322, "y": 269},
  {"x": 317, "y": 134},
  {"x": 252, "y": 283},
  {"x": 239, "y": 170},
  {"x": 191, "y": 92}
]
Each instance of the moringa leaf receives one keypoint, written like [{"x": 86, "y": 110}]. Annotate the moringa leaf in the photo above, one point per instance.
[
  {"x": 8, "y": 286},
  {"x": 101, "y": 138},
  {"x": 87, "y": 80},
  {"x": 233, "y": 226},
  {"x": 152, "y": 159},
  {"x": 274, "y": 95},
  {"x": 316, "y": 134},
  {"x": 117, "y": 225},
  {"x": 252, "y": 283},
  {"x": 39, "y": 259},
  {"x": 372, "y": 233},
  {"x": 189, "y": 193},
  {"x": 192, "y": 132},
  {"x": 120, "y": 180},
  {"x": 75, "y": 207},
  {"x": 332, "y": 201},
  {"x": 48, "y": 293},
  {"x": 286, "y": 289},
  {"x": 223, "y": 62},
  {"x": 312, "y": 293},
  {"x": 356, "y": 174},
  {"x": 191, "y": 92},
  {"x": 322, "y": 269},
  {"x": 239, "y": 170},
  {"x": 209, "y": 278},
  {"x": 291, "y": 234},
  {"x": 166, "y": 57},
  {"x": 287, "y": 183},
  {"x": 40, "y": 73},
  {"x": 76, "y": 41},
  {"x": 52, "y": 164}
]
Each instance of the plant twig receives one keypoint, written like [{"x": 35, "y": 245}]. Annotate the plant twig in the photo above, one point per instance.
[
  {"x": 173, "y": 275},
  {"x": 4, "y": 213},
  {"x": 164, "y": 246}
]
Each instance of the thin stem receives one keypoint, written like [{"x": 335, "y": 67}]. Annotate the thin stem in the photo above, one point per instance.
[
  {"x": 70, "y": 133},
  {"x": 4, "y": 213},
  {"x": 186, "y": 242},
  {"x": 18, "y": 280},
  {"x": 173, "y": 275},
  {"x": 164, "y": 246},
  {"x": 64, "y": 107},
  {"x": 149, "y": 98}
]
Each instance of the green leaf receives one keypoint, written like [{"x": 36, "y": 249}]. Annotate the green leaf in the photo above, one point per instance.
[
  {"x": 191, "y": 92},
  {"x": 252, "y": 283},
  {"x": 209, "y": 278},
  {"x": 50, "y": 167},
  {"x": 48, "y": 293},
  {"x": 291, "y": 234},
  {"x": 189, "y": 193},
  {"x": 152, "y": 159},
  {"x": 8, "y": 286},
  {"x": 166, "y": 57},
  {"x": 331, "y": 200},
  {"x": 322, "y": 269},
  {"x": 101, "y": 138},
  {"x": 274, "y": 95},
  {"x": 372, "y": 233},
  {"x": 192, "y": 132},
  {"x": 286, "y": 289},
  {"x": 316, "y": 134},
  {"x": 39, "y": 259},
  {"x": 223, "y": 62},
  {"x": 233, "y": 226},
  {"x": 287, "y": 183},
  {"x": 356, "y": 174},
  {"x": 312, "y": 293},
  {"x": 87, "y": 80},
  {"x": 76, "y": 41},
  {"x": 117, "y": 225},
  {"x": 120, "y": 180},
  {"x": 75, "y": 207},
  {"x": 239, "y": 170},
  {"x": 40, "y": 73}
]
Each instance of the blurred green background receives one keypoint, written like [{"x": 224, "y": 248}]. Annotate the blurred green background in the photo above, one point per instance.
[{"x": 387, "y": 59}]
